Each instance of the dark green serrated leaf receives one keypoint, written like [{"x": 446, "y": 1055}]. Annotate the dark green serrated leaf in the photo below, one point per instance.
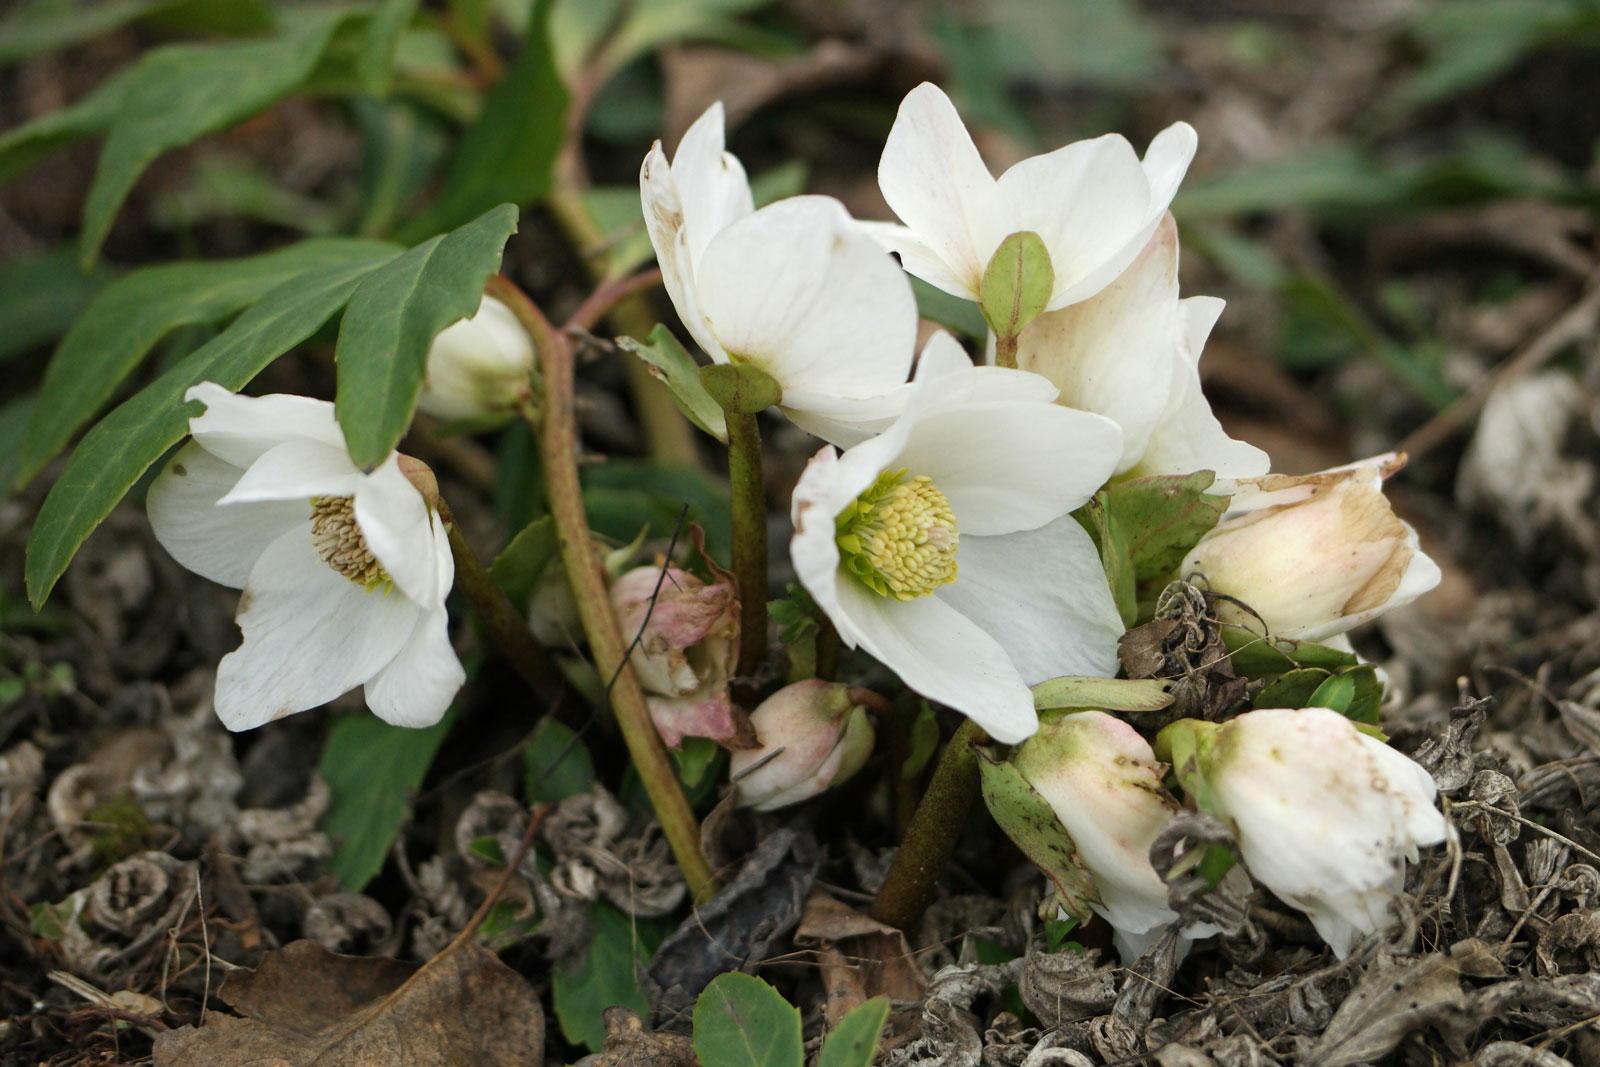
[
  {"x": 741, "y": 1021},
  {"x": 121, "y": 326},
  {"x": 114, "y": 454},
  {"x": 1103, "y": 527},
  {"x": 20, "y": 148},
  {"x": 1162, "y": 518},
  {"x": 854, "y": 1042},
  {"x": 1027, "y": 818},
  {"x": 40, "y": 296},
  {"x": 371, "y": 769},
  {"x": 1255, "y": 656},
  {"x": 606, "y": 975},
  {"x": 392, "y": 320},
  {"x": 668, "y": 361},
  {"x": 180, "y": 92},
  {"x": 517, "y": 568},
  {"x": 1016, "y": 283},
  {"x": 555, "y": 763},
  {"x": 509, "y": 154}
]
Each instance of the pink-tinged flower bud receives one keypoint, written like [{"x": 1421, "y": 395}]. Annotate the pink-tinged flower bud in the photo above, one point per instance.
[
  {"x": 687, "y": 644},
  {"x": 478, "y": 366},
  {"x": 1325, "y": 816},
  {"x": 813, "y": 735},
  {"x": 1103, "y": 782},
  {"x": 1313, "y": 556}
]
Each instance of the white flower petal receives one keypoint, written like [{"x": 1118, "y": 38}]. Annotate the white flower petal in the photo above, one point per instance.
[
  {"x": 844, "y": 420},
  {"x": 1010, "y": 466},
  {"x": 297, "y": 469},
  {"x": 941, "y": 654},
  {"x": 219, "y": 543},
  {"x": 417, "y": 686},
  {"x": 821, "y": 493},
  {"x": 919, "y": 259},
  {"x": 798, "y": 290},
  {"x": 402, "y": 533},
  {"x": 711, "y": 182},
  {"x": 239, "y": 429},
  {"x": 1166, "y": 161},
  {"x": 1042, "y": 594},
  {"x": 310, "y": 634},
  {"x": 935, "y": 181},
  {"x": 663, "y": 219}
]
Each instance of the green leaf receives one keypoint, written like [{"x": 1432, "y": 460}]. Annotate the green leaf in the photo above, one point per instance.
[
  {"x": 694, "y": 757},
  {"x": 1027, "y": 818},
  {"x": 1162, "y": 518},
  {"x": 1109, "y": 538},
  {"x": 120, "y": 327},
  {"x": 375, "y": 60},
  {"x": 179, "y": 92},
  {"x": 954, "y": 313},
  {"x": 622, "y": 493},
  {"x": 1110, "y": 694},
  {"x": 20, "y": 148},
  {"x": 392, "y": 320},
  {"x": 668, "y": 361},
  {"x": 1292, "y": 689},
  {"x": 47, "y": 25},
  {"x": 740, "y": 388},
  {"x": 741, "y": 1021},
  {"x": 1186, "y": 745},
  {"x": 606, "y": 975},
  {"x": 1255, "y": 656},
  {"x": 517, "y": 568},
  {"x": 555, "y": 763},
  {"x": 509, "y": 154},
  {"x": 371, "y": 769},
  {"x": 1016, "y": 284},
  {"x": 922, "y": 741},
  {"x": 1336, "y": 693},
  {"x": 114, "y": 454},
  {"x": 854, "y": 1042},
  {"x": 40, "y": 296}
]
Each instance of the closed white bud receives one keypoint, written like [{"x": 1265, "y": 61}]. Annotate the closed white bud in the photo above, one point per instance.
[
  {"x": 1329, "y": 559},
  {"x": 813, "y": 736},
  {"x": 479, "y": 366},
  {"x": 1325, "y": 816}
]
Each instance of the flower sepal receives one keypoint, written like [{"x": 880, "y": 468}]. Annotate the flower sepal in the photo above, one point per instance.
[
  {"x": 741, "y": 388},
  {"x": 1028, "y": 820},
  {"x": 1016, "y": 285}
]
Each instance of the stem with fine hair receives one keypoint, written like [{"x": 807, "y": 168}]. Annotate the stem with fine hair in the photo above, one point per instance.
[
  {"x": 749, "y": 507},
  {"x": 558, "y": 440},
  {"x": 931, "y": 837}
]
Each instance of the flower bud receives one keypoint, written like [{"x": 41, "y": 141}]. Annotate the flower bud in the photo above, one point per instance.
[
  {"x": 813, "y": 735},
  {"x": 687, "y": 643},
  {"x": 1103, "y": 782},
  {"x": 478, "y": 366},
  {"x": 1327, "y": 556},
  {"x": 1325, "y": 816}
]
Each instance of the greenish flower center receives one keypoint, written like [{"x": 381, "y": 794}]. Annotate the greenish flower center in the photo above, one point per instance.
[
  {"x": 340, "y": 543},
  {"x": 899, "y": 537}
]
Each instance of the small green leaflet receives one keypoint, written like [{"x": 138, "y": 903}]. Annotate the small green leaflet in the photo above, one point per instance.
[
  {"x": 555, "y": 763},
  {"x": 606, "y": 975},
  {"x": 854, "y": 1042},
  {"x": 392, "y": 320},
  {"x": 114, "y": 454},
  {"x": 1027, "y": 818},
  {"x": 1162, "y": 518},
  {"x": 1016, "y": 284},
  {"x": 668, "y": 361},
  {"x": 741, "y": 1021}
]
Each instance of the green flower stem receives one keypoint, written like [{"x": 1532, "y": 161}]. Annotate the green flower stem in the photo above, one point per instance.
[
  {"x": 749, "y": 542},
  {"x": 1005, "y": 350},
  {"x": 932, "y": 834},
  {"x": 558, "y": 440},
  {"x": 508, "y": 627}
]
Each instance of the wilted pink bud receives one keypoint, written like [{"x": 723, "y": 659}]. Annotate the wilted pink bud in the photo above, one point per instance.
[
  {"x": 813, "y": 735},
  {"x": 1312, "y": 556},
  {"x": 686, "y": 648},
  {"x": 1103, "y": 782},
  {"x": 1326, "y": 817}
]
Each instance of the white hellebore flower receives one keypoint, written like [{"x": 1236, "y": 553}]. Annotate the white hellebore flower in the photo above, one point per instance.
[
  {"x": 980, "y": 464},
  {"x": 1103, "y": 782},
  {"x": 344, "y": 573},
  {"x": 1312, "y": 556},
  {"x": 1131, "y": 353},
  {"x": 1093, "y": 203},
  {"x": 478, "y": 366},
  {"x": 795, "y": 289},
  {"x": 1325, "y": 816}
]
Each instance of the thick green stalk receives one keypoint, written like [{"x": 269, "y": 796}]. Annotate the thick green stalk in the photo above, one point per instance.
[
  {"x": 749, "y": 540},
  {"x": 558, "y": 442},
  {"x": 931, "y": 837}
]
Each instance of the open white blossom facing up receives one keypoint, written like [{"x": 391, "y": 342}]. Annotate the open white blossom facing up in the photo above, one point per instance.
[
  {"x": 1093, "y": 203},
  {"x": 1131, "y": 353},
  {"x": 1326, "y": 817},
  {"x": 980, "y": 471},
  {"x": 795, "y": 288},
  {"x": 344, "y": 573}
]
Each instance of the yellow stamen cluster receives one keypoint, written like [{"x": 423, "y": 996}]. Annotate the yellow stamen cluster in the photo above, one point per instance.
[
  {"x": 340, "y": 543},
  {"x": 899, "y": 537}
]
